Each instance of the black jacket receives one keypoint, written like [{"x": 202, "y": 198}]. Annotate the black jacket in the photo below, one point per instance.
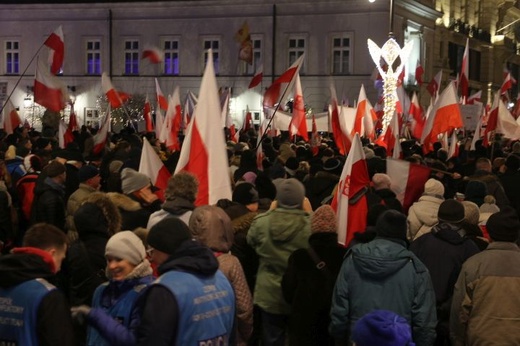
[
  {"x": 319, "y": 187},
  {"x": 49, "y": 204}
]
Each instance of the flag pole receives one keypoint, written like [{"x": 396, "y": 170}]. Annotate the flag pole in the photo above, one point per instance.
[{"x": 21, "y": 76}]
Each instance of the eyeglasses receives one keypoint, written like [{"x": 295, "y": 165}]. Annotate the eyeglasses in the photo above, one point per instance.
[{"x": 149, "y": 251}]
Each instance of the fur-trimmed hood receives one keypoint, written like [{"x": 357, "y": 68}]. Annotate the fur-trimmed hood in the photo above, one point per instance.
[
  {"x": 100, "y": 215},
  {"x": 123, "y": 201}
]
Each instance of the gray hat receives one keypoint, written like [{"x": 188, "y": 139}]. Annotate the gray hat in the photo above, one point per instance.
[
  {"x": 290, "y": 194},
  {"x": 132, "y": 181},
  {"x": 126, "y": 245}
]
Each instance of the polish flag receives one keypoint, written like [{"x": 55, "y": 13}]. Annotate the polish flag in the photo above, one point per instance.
[
  {"x": 454, "y": 145},
  {"x": 492, "y": 120},
  {"x": 506, "y": 124},
  {"x": 435, "y": 84},
  {"x": 408, "y": 180},
  {"x": 419, "y": 72},
  {"x": 445, "y": 117},
  {"x": 48, "y": 90},
  {"x": 189, "y": 108},
  {"x": 115, "y": 98},
  {"x": 62, "y": 135},
  {"x": 204, "y": 151},
  {"x": 248, "y": 121},
  {"x": 478, "y": 132},
  {"x": 159, "y": 122},
  {"x": 390, "y": 139},
  {"x": 224, "y": 113},
  {"x": 474, "y": 98},
  {"x": 73, "y": 121},
  {"x": 342, "y": 138},
  {"x": 152, "y": 166},
  {"x": 464, "y": 72},
  {"x": 315, "y": 137},
  {"x": 298, "y": 124},
  {"x": 273, "y": 93},
  {"x": 257, "y": 78},
  {"x": 364, "y": 111},
  {"x": 259, "y": 149},
  {"x": 100, "y": 138},
  {"x": 56, "y": 46},
  {"x": 147, "y": 112},
  {"x": 162, "y": 102},
  {"x": 153, "y": 54},
  {"x": 11, "y": 118},
  {"x": 172, "y": 122},
  {"x": 350, "y": 201},
  {"x": 507, "y": 84},
  {"x": 417, "y": 116}
]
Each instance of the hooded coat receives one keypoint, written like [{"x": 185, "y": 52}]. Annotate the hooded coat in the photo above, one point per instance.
[
  {"x": 422, "y": 215},
  {"x": 49, "y": 203}
]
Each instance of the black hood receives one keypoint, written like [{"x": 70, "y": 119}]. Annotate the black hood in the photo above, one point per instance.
[
  {"x": 178, "y": 206},
  {"x": 20, "y": 267},
  {"x": 192, "y": 257}
]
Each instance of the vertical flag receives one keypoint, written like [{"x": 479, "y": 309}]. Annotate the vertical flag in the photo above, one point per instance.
[
  {"x": 56, "y": 46},
  {"x": 298, "y": 124},
  {"x": 273, "y": 93},
  {"x": 408, "y": 180},
  {"x": 464, "y": 73},
  {"x": 417, "y": 117},
  {"x": 11, "y": 118},
  {"x": 419, "y": 72},
  {"x": 152, "y": 166},
  {"x": 100, "y": 138},
  {"x": 435, "y": 84},
  {"x": 342, "y": 139},
  {"x": 147, "y": 113},
  {"x": 257, "y": 78},
  {"x": 115, "y": 98},
  {"x": 162, "y": 102},
  {"x": 243, "y": 37},
  {"x": 49, "y": 92}
]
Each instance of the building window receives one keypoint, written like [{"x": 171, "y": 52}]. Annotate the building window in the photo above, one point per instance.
[
  {"x": 12, "y": 57},
  {"x": 296, "y": 49},
  {"x": 455, "y": 55},
  {"x": 171, "y": 57},
  {"x": 93, "y": 57},
  {"x": 341, "y": 56},
  {"x": 131, "y": 57},
  {"x": 257, "y": 57},
  {"x": 214, "y": 45}
]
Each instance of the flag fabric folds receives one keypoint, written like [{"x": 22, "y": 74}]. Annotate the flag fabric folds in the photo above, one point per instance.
[
  {"x": 298, "y": 125},
  {"x": 147, "y": 114},
  {"x": 416, "y": 117},
  {"x": 435, "y": 84},
  {"x": 11, "y": 119},
  {"x": 419, "y": 72},
  {"x": 257, "y": 78},
  {"x": 56, "y": 46},
  {"x": 204, "y": 152},
  {"x": 115, "y": 98},
  {"x": 274, "y": 92},
  {"x": 464, "y": 73},
  {"x": 100, "y": 138},
  {"x": 408, "y": 180},
  {"x": 153, "y": 54},
  {"x": 49, "y": 92},
  {"x": 162, "y": 102},
  {"x": 342, "y": 138},
  {"x": 152, "y": 166},
  {"x": 243, "y": 37}
]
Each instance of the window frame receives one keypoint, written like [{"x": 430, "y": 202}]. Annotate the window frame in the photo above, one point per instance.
[
  {"x": 341, "y": 49},
  {"x": 135, "y": 57}
]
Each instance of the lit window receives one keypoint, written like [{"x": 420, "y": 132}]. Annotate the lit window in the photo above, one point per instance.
[
  {"x": 296, "y": 49},
  {"x": 214, "y": 44},
  {"x": 257, "y": 57},
  {"x": 171, "y": 57},
  {"x": 12, "y": 57},
  {"x": 131, "y": 57},
  {"x": 93, "y": 52}
]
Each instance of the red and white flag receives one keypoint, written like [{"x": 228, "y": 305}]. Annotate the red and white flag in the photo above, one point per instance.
[
  {"x": 506, "y": 124},
  {"x": 153, "y": 54},
  {"x": 56, "y": 46},
  {"x": 257, "y": 78},
  {"x": 101, "y": 137},
  {"x": 274, "y": 92},
  {"x": 115, "y": 98},
  {"x": 172, "y": 122},
  {"x": 474, "y": 98},
  {"x": 11, "y": 119},
  {"x": 454, "y": 145},
  {"x": 259, "y": 149},
  {"x": 247, "y": 123},
  {"x": 298, "y": 124},
  {"x": 492, "y": 120},
  {"x": 390, "y": 139},
  {"x": 445, "y": 117},
  {"x": 408, "y": 180},
  {"x": 350, "y": 201},
  {"x": 435, "y": 84},
  {"x": 159, "y": 122},
  {"x": 342, "y": 138},
  {"x": 507, "y": 84},
  {"x": 62, "y": 130},
  {"x": 73, "y": 120},
  {"x": 204, "y": 150},
  {"x": 49, "y": 92},
  {"x": 365, "y": 116},
  {"x": 189, "y": 108},
  {"x": 417, "y": 117},
  {"x": 464, "y": 73},
  {"x": 419, "y": 72},
  {"x": 224, "y": 113},
  {"x": 162, "y": 102},
  {"x": 315, "y": 137},
  {"x": 147, "y": 114},
  {"x": 152, "y": 166}
]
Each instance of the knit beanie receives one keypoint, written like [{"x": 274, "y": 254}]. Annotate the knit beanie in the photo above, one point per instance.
[
  {"x": 127, "y": 246},
  {"x": 489, "y": 205},
  {"x": 291, "y": 165},
  {"x": 323, "y": 220},
  {"x": 392, "y": 224},
  {"x": 54, "y": 169},
  {"x": 381, "y": 181},
  {"x": 471, "y": 212},
  {"x": 433, "y": 187},
  {"x": 333, "y": 165},
  {"x": 87, "y": 172},
  {"x": 504, "y": 225},
  {"x": 168, "y": 234},
  {"x": 451, "y": 211},
  {"x": 245, "y": 193},
  {"x": 475, "y": 192},
  {"x": 290, "y": 194},
  {"x": 132, "y": 181},
  {"x": 382, "y": 328}
]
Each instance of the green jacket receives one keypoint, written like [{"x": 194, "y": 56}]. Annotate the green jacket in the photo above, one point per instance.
[{"x": 275, "y": 235}]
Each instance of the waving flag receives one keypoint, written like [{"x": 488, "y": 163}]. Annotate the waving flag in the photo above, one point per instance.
[
  {"x": 172, "y": 122},
  {"x": 474, "y": 98},
  {"x": 100, "y": 138},
  {"x": 507, "y": 84},
  {"x": 204, "y": 152},
  {"x": 153, "y": 54},
  {"x": 11, "y": 118},
  {"x": 350, "y": 202},
  {"x": 274, "y": 92},
  {"x": 298, "y": 125},
  {"x": 49, "y": 92},
  {"x": 435, "y": 84},
  {"x": 152, "y": 166},
  {"x": 56, "y": 46},
  {"x": 115, "y": 98},
  {"x": 408, "y": 180},
  {"x": 257, "y": 78},
  {"x": 342, "y": 138},
  {"x": 419, "y": 72},
  {"x": 417, "y": 117},
  {"x": 147, "y": 114},
  {"x": 464, "y": 73},
  {"x": 162, "y": 102},
  {"x": 365, "y": 116}
]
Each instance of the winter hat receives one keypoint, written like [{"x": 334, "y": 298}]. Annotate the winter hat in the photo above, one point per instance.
[
  {"x": 10, "y": 154},
  {"x": 250, "y": 177},
  {"x": 245, "y": 193},
  {"x": 381, "y": 181},
  {"x": 451, "y": 211},
  {"x": 475, "y": 192},
  {"x": 291, "y": 165},
  {"x": 373, "y": 213},
  {"x": 471, "y": 212},
  {"x": 126, "y": 245},
  {"x": 324, "y": 220},
  {"x": 115, "y": 166},
  {"x": 290, "y": 194},
  {"x": 132, "y": 181},
  {"x": 369, "y": 153},
  {"x": 513, "y": 162},
  {"x": 489, "y": 205},
  {"x": 333, "y": 165},
  {"x": 54, "y": 169},
  {"x": 504, "y": 225},
  {"x": 391, "y": 224},
  {"x": 87, "y": 172},
  {"x": 41, "y": 143},
  {"x": 382, "y": 328},
  {"x": 32, "y": 163},
  {"x": 168, "y": 234},
  {"x": 433, "y": 187}
]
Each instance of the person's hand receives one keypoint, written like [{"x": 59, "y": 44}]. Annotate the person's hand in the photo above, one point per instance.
[
  {"x": 147, "y": 195},
  {"x": 80, "y": 312}
]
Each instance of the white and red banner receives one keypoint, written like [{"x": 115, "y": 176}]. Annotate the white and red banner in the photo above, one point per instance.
[
  {"x": 152, "y": 166},
  {"x": 257, "y": 78},
  {"x": 11, "y": 119},
  {"x": 172, "y": 122},
  {"x": 56, "y": 46},
  {"x": 153, "y": 54},
  {"x": 342, "y": 138},
  {"x": 49, "y": 92},
  {"x": 147, "y": 114},
  {"x": 101, "y": 137},
  {"x": 162, "y": 102},
  {"x": 274, "y": 92},
  {"x": 435, "y": 84},
  {"x": 115, "y": 98},
  {"x": 407, "y": 180},
  {"x": 416, "y": 117},
  {"x": 298, "y": 125}
]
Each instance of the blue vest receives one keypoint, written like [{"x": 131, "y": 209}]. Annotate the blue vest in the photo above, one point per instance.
[
  {"x": 120, "y": 311},
  {"x": 206, "y": 307},
  {"x": 18, "y": 312}
]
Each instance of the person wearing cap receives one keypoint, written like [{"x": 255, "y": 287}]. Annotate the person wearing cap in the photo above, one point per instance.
[
  {"x": 137, "y": 202},
  {"x": 307, "y": 285},
  {"x": 382, "y": 328},
  {"x": 89, "y": 182},
  {"x": 485, "y": 305},
  {"x": 275, "y": 235},
  {"x": 113, "y": 306},
  {"x": 384, "y": 274},
  {"x": 192, "y": 302},
  {"x": 448, "y": 238},
  {"x": 422, "y": 215},
  {"x": 49, "y": 197}
]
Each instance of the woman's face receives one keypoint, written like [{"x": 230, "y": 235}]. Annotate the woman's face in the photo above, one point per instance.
[{"x": 119, "y": 268}]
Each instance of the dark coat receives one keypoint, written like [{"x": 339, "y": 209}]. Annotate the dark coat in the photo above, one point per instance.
[
  {"x": 385, "y": 197},
  {"x": 49, "y": 204},
  {"x": 319, "y": 187},
  {"x": 133, "y": 214},
  {"x": 309, "y": 290},
  {"x": 511, "y": 182}
]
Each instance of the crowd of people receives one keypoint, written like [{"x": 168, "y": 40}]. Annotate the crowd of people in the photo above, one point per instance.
[{"x": 92, "y": 256}]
